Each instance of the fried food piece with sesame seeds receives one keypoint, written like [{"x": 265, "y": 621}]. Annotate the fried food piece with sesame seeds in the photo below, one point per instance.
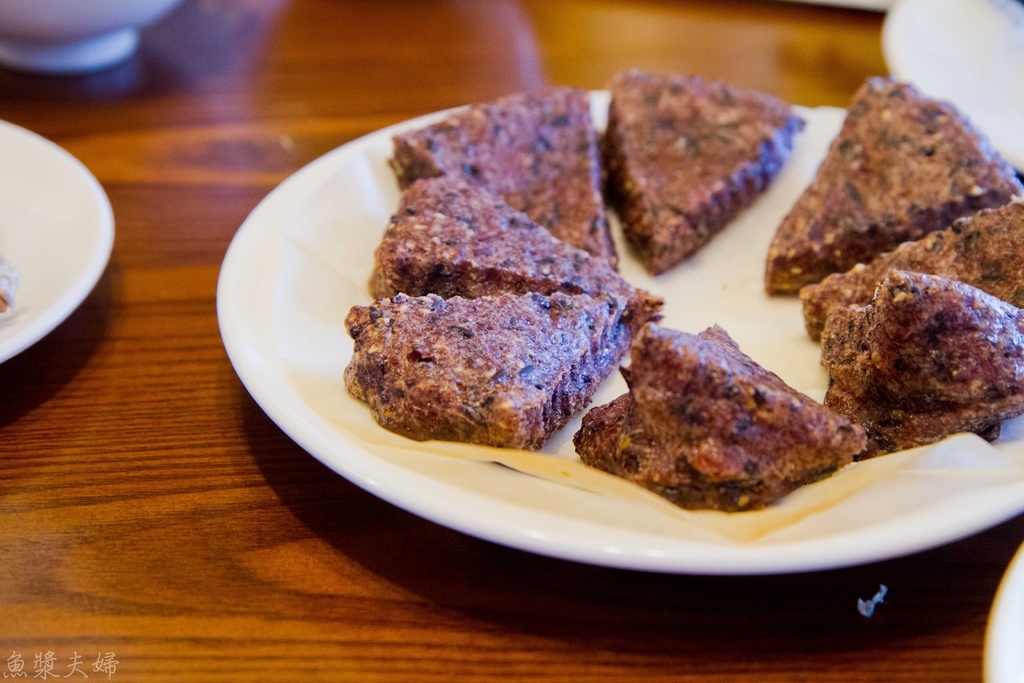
[
  {"x": 706, "y": 427},
  {"x": 928, "y": 357},
  {"x": 902, "y": 166},
  {"x": 501, "y": 371},
  {"x": 982, "y": 250},
  {"x": 536, "y": 150},
  {"x": 454, "y": 238},
  {"x": 684, "y": 155}
]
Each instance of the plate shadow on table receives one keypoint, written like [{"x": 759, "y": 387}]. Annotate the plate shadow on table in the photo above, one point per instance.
[
  {"x": 35, "y": 375},
  {"x": 631, "y": 612}
]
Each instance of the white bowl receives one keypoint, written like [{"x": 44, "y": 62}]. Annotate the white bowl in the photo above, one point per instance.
[{"x": 73, "y": 36}]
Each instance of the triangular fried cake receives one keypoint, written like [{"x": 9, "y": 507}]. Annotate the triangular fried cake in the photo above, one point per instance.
[
  {"x": 454, "y": 238},
  {"x": 684, "y": 155},
  {"x": 928, "y": 357},
  {"x": 902, "y": 166},
  {"x": 537, "y": 151},
  {"x": 982, "y": 250},
  {"x": 501, "y": 371},
  {"x": 705, "y": 426}
]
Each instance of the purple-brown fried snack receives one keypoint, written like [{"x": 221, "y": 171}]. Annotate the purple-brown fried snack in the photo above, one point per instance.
[
  {"x": 537, "y": 151},
  {"x": 454, "y": 238},
  {"x": 501, "y": 371},
  {"x": 928, "y": 357},
  {"x": 902, "y": 166},
  {"x": 985, "y": 250},
  {"x": 706, "y": 427},
  {"x": 684, "y": 155}
]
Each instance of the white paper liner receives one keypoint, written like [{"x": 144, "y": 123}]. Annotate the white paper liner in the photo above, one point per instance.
[{"x": 327, "y": 259}]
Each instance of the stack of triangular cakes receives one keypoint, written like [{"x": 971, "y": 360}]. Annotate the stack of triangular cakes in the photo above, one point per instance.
[
  {"x": 502, "y": 212},
  {"x": 500, "y": 310},
  {"x": 907, "y": 252}
]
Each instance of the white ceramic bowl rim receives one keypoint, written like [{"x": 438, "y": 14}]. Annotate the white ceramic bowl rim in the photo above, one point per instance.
[{"x": 57, "y": 21}]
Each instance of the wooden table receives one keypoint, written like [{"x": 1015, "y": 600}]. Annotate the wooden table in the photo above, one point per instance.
[{"x": 149, "y": 508}]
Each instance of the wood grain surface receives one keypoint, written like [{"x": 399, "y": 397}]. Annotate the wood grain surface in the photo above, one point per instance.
[{"x": 149, "y": 508}]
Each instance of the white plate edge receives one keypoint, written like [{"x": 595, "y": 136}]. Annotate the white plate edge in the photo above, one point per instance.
[
  {"x": 94, "y": 267},
  {"x": 1005, "y": 629}
]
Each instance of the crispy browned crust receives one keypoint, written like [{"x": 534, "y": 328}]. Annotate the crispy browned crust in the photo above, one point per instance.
[
  {"x": 706, "y": 427},
  {"x": 902, "y": 166},
  {"x": 536, "y": 150},
  {"x": 928, "y": 357},
  {"x": 684, "y": 155},
  {"x": 454, "y": 238},
  {"x": 983, "y": 250},
  {"x": 502, "y": 371}
]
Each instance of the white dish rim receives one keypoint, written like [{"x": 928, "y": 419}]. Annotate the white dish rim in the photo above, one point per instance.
[{"x": 92, "y": 262}]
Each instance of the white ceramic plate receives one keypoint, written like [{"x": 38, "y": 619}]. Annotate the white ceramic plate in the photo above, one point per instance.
[
  {"x": 303, "y": 257},
  {"x": 56, "y": 227},
  {"x": 876, "y": 5},
  {"x": 1004, "y": 653},
  {"x": 969, "y": 52}
]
